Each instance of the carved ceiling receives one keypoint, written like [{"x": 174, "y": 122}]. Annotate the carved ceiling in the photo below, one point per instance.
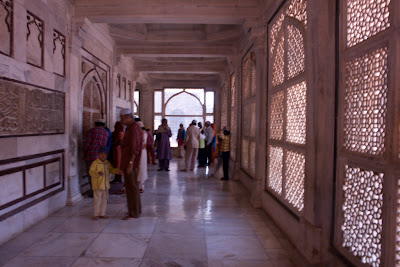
[{"x": 174, "y": 40}]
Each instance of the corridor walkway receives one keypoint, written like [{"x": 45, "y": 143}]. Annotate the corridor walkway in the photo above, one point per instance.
[{"x": 188, "y": 219}]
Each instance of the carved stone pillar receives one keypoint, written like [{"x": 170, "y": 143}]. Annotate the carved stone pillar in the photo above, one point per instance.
[
  {"x": 261, "y": 115},
  {"x": 73, "y": 99}
]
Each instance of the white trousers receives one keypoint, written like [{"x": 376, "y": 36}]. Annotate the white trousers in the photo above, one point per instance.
[
  {"x": 190, "y": 158},
  {"x": 100, "y": 202}
]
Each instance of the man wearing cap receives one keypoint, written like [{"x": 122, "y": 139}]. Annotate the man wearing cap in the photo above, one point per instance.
[
  {"x": 192, "y": 146},
  {"x": 95, "y": 137},
  {"x": 131, "y": 148}
]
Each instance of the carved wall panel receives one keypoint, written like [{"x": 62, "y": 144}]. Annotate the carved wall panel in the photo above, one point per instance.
[
  {"x": 6, "y": 23},
  {"x": 233, "y": 127},
  {"x": 58, "y": 53},
  {"x": 34, "y": 39},
  {"x": 224, "y": 107},
  {"x": 287, "y": 105},
  {"x": 30, "y": 110}
]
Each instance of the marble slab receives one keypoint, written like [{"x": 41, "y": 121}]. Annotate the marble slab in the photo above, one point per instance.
[
  {"x": 118, "y": 246},
  {"x": 105, "y": 262},
  {"x": 235, "y": 247},
  {"x": 60, "y": 245}
]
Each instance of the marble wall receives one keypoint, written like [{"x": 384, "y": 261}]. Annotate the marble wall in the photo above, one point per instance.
[{"x": 33, "y": 88}]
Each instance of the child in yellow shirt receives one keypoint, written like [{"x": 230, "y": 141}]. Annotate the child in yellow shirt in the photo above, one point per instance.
[{"x": 100, "y": 171}]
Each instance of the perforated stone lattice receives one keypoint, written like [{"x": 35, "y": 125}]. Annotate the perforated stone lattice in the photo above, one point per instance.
[
  {"x": 365, "y": 103},
  {"x": 275, "y": 169},
  {"x": 366, "y": 18},
  {"x": 298, "y": 10},
  {"x": 233, "y": 118},
  {"x": 362, "y": 214},
  {"x": 295, "y": 177},
  {"x": 276, "y": 27},
  {"x": 245, "y": 154},
  {"x": 296, "y": 55},
  {"x": 296, "y": 114},
  {"x": 276, "y": 116},
  {"x": 278, "y": 74},
  {"x": 246, "y": 78},
  {"x": 252, "y": 163}
]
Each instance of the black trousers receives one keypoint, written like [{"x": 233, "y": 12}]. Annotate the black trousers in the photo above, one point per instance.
[
  {"x": 202, "y": 157},
  {"x": 208, "y": 155},
  {"x": 225, "y": 164}
]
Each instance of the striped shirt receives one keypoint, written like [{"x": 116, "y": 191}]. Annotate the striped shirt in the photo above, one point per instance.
[{"x": 224, "y": 143}]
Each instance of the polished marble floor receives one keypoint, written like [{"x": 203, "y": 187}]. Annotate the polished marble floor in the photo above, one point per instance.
[{"x": 188, "y": 219}]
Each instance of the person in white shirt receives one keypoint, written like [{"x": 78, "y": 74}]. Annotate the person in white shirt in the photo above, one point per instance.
[{"x": 191, "y": 145}]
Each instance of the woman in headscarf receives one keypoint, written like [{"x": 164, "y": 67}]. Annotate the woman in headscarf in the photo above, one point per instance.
[{"x": 163, "y": 145}]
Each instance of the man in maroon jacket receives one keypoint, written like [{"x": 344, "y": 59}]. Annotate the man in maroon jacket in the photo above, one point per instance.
[{"x": 131, "y": 148}]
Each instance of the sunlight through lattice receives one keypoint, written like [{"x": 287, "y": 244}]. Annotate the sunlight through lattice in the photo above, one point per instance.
[
  {"x": 366, "y": 18},
  {"x": 295, "y": 176},
  {"x": 276, "y": 121},
  {"x": 298, "y": 10},
  {"x": 278, "y": 74},
  {"x": 296, "y": 56},
  {"x": 275, "y": 169},
  {"x": 362, "y": 208},
  {"x": 365, "y": 103},
  {"x": 296, "y": 114}
]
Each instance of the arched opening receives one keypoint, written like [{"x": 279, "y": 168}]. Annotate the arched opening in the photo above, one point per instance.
[{"x": 180, "y": 105}]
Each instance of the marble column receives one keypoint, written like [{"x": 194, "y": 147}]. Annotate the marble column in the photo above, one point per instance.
[
  {"x": 261, "y": 117},
  {"x": 73, "y": 98}
]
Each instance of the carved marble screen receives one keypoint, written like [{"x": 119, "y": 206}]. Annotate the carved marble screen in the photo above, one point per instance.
[
  {"x": 248, "y": 143},
  {"x": 233, "y": 126},
  {"x": 30, "y": 110},
  {"x": 287, "y": 105},
  {"x": 6, "y": 26},
  {"x": 224, "y": 107},
  {"x": 368, "y": 168}
]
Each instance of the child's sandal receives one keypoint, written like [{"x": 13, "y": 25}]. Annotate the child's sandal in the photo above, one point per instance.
[
  {"x": 103, "y": 217},
  {"x": 95, "y": 218}
]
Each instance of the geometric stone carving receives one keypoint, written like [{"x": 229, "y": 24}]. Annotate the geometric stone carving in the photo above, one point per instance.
[
  {"x": 58, "y": 53},
  {"x": 233, "y": 117},
  {"x": 275, "y": 168},
  {"x": 296, "y": 53},
  {"x": 29, "y": 110},
  {"x": 34, "y": 39},
  {"x": 298, "y": 10},
  {"x": 294, "y": 179},
  {"x": 365, "y": 103},
  {"x": 287, "y": 104},
  {"x": 245, "y": 155},
  {"x": 276, "y": 116},
  {"x": 6, "y": 15},
  {"x": 365, "y": 19},
  {"x": 224, "y": 107},
  {"x": 296, "y": 113},
  {"x": 362, "y": 214},
  {"x": 278, "y": 74}
]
